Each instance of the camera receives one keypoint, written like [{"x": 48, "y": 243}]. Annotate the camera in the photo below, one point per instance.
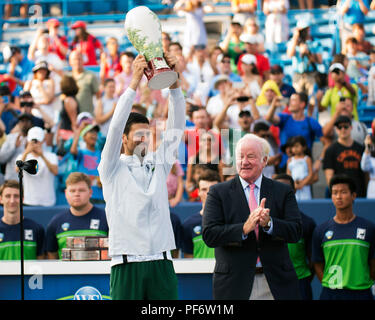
[{"x": 243, "y": 98}]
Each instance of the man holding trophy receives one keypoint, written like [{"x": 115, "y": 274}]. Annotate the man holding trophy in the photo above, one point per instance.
[{"x": 134, "y": 183}]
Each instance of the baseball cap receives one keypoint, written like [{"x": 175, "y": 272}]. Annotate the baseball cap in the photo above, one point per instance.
[
  {"x": 36, "y": 133},
  {"x": 239, "y": 18},
  {"x": 335, "y": 66},
  {"x": 342, "y": 119},
  {"x": 248, "y": 38},
  {"x": 220, "y": 78},
  {"x": 78, "y": 24},
  {"x": 88, "y": 128},
  {"x": 276, "y": 69},
  {"x": 84, "y": 116},
  {"x": 248, "y": 58},
  {"x": 52, "y": 23},
  {"x": 40, "y": 65}
]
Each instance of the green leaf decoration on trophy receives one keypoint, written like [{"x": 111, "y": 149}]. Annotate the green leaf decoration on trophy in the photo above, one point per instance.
[{"x": 143, "y": 28}]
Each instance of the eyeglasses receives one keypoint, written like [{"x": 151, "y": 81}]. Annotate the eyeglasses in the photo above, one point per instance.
[
  {"x": 225, "y": 61},
  {"x": 343, "y": 126}
]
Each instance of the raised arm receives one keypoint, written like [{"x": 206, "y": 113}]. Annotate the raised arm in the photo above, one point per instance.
[
  {"x": 112, "y": 148},
  {"x": 176, "y": 121}
]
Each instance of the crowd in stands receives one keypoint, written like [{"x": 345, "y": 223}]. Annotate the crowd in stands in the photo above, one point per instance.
[{"x": 231, "y": 89}]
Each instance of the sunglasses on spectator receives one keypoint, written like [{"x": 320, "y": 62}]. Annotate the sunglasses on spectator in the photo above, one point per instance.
[
  {"x": 345, "y": 126},
  {"x": 225, "y": 61}
]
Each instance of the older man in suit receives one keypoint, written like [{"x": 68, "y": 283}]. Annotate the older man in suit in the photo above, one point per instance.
[{"x": 249, "y": 220}]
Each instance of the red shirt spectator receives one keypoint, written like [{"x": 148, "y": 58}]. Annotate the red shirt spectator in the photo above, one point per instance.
[
  {"x": 85, "y": 43},
  {"x": 251, "y": 46},
  {"x": 57, "y": 44}
]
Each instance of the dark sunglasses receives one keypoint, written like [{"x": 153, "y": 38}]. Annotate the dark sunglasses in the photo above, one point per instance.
[
  {"x": 345, "y": 126},
  {"x": 225, "y": 61},
  {"x": 26, "y": 104}
]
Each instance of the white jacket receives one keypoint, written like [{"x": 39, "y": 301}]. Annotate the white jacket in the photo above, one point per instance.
[{"x": 136, "y": 195}]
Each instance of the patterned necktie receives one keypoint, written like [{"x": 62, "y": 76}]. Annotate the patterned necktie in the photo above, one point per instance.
[{"x": 253, "y": 205}]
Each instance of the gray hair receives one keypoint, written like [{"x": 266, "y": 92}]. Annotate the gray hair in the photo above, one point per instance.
[{"x": 252, "y": 137}]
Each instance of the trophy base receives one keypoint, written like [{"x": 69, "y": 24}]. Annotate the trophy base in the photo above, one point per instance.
[{"x": 159, "y": 75}]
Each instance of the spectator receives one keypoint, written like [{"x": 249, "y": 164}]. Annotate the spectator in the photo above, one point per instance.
[
  {"x": 18, "y": 68},
  {"x": 124, "y": 77},
  {"x": 353, "y": 12},
  {"x": 110, "y": 64},
  {"x": 342, "y": 88},
  {"x": 262, "y": 129},
  {"x": 14, "y": 145},
  {"x": 201, "y": 120},
  {"x": 69, "y": 112},
  {"x": 57, "y": 44},
  {"x": 106, "y": 106},
  {"x": 215, "y": 56},
  {"x": 221, "y": 84},
  {"x": 201, "y": 69},
  {"x": 88, "y": 158},
  {"x": 175, "y": 184},
  {"x": 244, "y": 119},
  {"x": 165, "y": 41},
  {"x": 300, "y": 252},
  {"x": 269, "y": 95},
  {"x": 344, "y": 246},
  {"x": 235, "y": 101},
  {"x": 42, "y": 89},
  {"x": 341, "y": 59},
  {"x": 195, "y": 30},
  {"x": 299, "y": 167},
  {"x": 344, "y": 156},
  {"x": 371, "y": 80},
  {"x": 277, "y": 75},
  {"x": 82, "y": 218},
  {"x": 368, "y": 165},
  {"x": 295, "y": 123},
  {"x": 359, "y": 34},
  {"x": 224, "y": 69},
  {"x": 250, "y": 75},
  {"x": 251, "y": 47},
  {"x": 232, "y": 45},
  {"x": 305, "y": 55},
  {"x": 9, "y": 114},
  {"x": 85, "y": 43},
  {"x": 88, "y": 84},
  {"x": 39, "y": 188},
  {"x": 277, "y": 23},
  {"x": 10, "y": 227},
  {"x": 358, "y": 60},
  {"x": 251, "y": 27},
  {"x": 193, "y": 244},
  {"x": 246, "y": 7},
  {"x": 175, "y": 49},
  {"x": 189, "y": 80},
  {"x": 345, "y": 108},
  {"x": 27, "y": 106},
  {"x": 207, "y": 156}
]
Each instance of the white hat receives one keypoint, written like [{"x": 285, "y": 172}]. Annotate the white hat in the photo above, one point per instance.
[
  {"x": 239, "y": 18},
  {"x": 84, "y": 115},
  {"x": 248, "y": 58},
  {"x": 336, "y": 66},
  {"x": 220, "y": 78},
  {"x": 248, "y": 38},
  {"x": 36, "y": 133}
]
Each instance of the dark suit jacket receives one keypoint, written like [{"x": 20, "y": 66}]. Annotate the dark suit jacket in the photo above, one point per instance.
[{"x": 225, "y": 212}]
